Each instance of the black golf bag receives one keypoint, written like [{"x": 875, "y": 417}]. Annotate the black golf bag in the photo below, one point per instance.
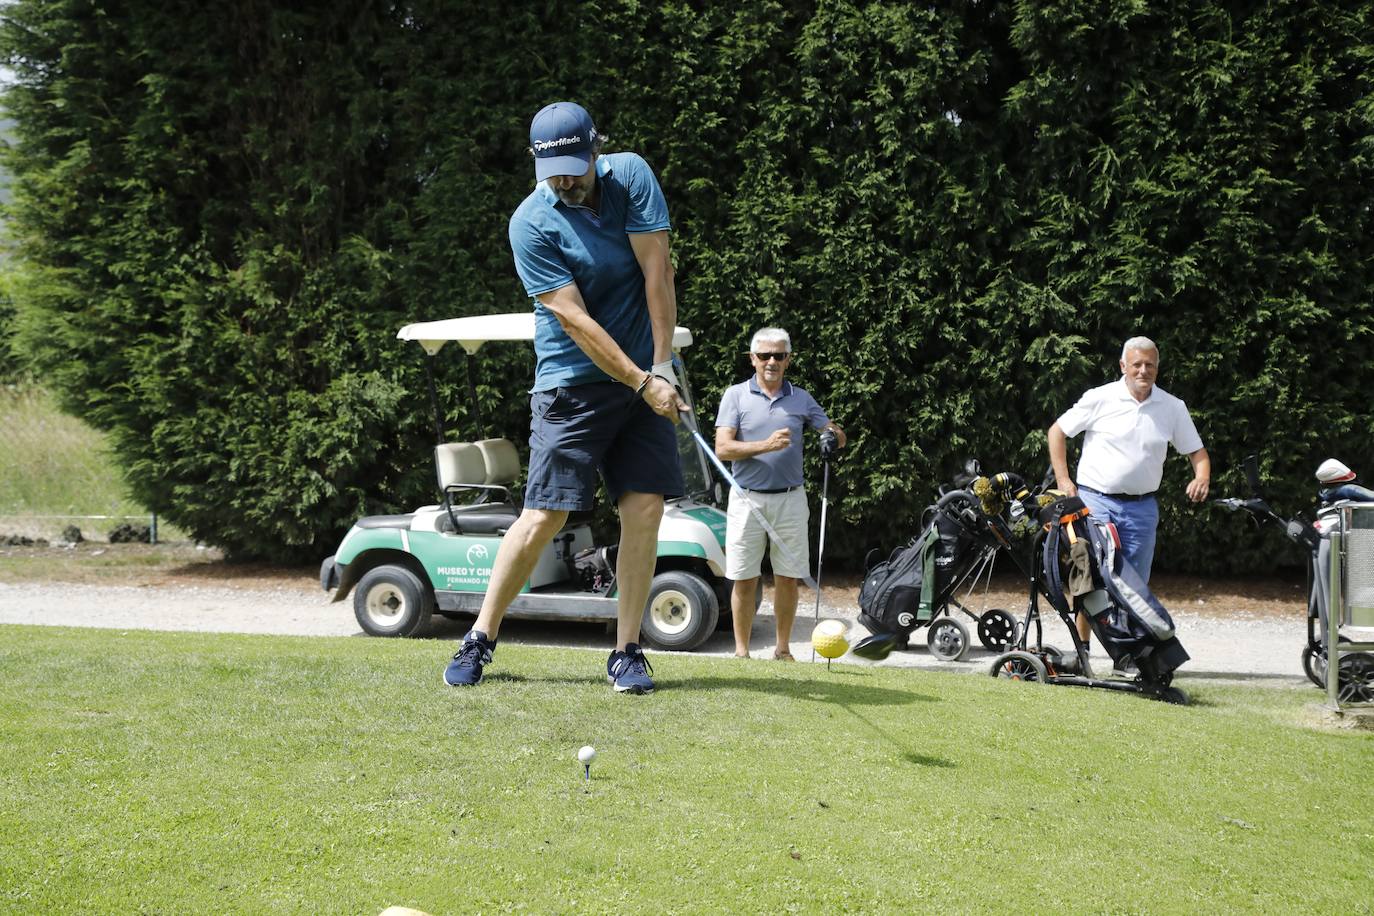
[
  {"x": 906, "y": 590},
  {"x": 1083, "y": 567}
]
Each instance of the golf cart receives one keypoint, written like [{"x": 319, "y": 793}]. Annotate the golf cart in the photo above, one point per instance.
[{"x": 402, "y": 569}]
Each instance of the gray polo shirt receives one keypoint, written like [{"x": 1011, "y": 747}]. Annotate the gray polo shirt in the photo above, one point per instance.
[{"x": 754, "y": 416}]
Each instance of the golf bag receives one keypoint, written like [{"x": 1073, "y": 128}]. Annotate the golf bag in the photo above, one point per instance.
[
  {"x": 1083, "y": 566},
  {"x": 903, "y": 592}
]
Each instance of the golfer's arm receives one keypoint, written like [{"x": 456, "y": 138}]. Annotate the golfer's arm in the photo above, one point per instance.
[
  {"x": 1202, "y": 465},
  {"x": 567, "y": 306},
  {"x": 655, "y": 261},
  {"x": 1059, "y": 458},
  {"x": 1202, "y": 475},
  {"x": 728, "y": 448}
]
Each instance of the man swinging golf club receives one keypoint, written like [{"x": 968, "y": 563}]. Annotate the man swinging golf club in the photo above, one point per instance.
[
  {"x": 591, "y": 239},
  {"x": 759, "y": 428}
]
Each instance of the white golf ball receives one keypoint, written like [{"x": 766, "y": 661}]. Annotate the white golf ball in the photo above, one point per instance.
[{"x": 587, "y": 754}]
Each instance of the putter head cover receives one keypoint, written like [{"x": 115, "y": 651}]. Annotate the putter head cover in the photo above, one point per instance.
[{"x": 875, "y": 647}]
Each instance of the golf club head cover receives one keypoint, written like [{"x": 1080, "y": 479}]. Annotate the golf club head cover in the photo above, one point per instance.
[{"x": 875, "y": 647}]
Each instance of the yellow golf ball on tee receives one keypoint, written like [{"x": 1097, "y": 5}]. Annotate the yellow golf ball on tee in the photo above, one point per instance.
[{"x": 830, "y": 638}]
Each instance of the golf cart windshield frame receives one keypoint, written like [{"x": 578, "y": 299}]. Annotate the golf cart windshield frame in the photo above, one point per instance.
[{"x": 473, "y": 331}]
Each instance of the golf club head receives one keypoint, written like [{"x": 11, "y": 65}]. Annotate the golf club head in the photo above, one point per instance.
[{"x": 876, "y": 647}]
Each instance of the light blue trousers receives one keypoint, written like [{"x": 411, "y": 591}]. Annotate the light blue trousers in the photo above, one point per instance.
[{"x": 1135, "y": 521}]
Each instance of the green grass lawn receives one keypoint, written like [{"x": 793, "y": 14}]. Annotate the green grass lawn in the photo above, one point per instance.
[{"x": 157, "y": 772}]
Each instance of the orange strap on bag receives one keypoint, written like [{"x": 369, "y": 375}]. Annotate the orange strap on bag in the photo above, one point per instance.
[{"x": 1068, "y": 520}]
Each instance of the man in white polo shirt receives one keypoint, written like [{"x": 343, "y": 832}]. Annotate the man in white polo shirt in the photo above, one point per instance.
[
  {"x": 759, "y": 429},
  {"x": 1129, "y": 425}
]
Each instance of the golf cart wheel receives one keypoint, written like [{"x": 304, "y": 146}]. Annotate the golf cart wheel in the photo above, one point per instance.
[
  {"x": 723, "y": 589},
  {"x": 947, "y": 639},
  {"x": 681, "y": 612},
  {"x": 1314, "y": 665},
  {"x": 1019, "y": 666},
  {"x": 392, "y": 601},
  {"x": 997, "y": 630}
]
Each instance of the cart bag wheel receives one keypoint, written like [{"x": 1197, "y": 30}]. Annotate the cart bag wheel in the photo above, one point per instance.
[
  {"x": 1019, "y": 666},
  {"x": 1314, "y": 665},
  {"x": 1173, "y": 696},
  {"x": 1356, "y": 678},
  {"x": 997, "y": 630},
  {"x": 947, "y": 639}
]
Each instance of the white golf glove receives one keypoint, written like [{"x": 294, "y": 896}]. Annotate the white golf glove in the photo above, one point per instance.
[{"x": 665, "y": 371}]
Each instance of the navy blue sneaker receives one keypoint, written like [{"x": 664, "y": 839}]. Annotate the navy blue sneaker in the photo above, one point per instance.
[
  {"x": 629, "y": 671},
  {"x": 466, "y": 668}
]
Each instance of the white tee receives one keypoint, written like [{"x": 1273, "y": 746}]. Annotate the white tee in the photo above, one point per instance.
[{"x": 1127, "y": 440}]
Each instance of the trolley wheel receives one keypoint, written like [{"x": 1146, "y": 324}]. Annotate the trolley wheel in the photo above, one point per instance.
[
  {"x": 1019, "y": 666},
  {"x": 947, "y": 639},
  {"x": 1314, "y": 665},
  {"x": 1173, "y": 696},
  {"x": 997, "y": 630},
  {"x": 1356, "y": 673}
]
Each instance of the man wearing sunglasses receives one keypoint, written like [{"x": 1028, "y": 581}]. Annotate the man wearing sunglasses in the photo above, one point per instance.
[{"x": 759, "y": 428}]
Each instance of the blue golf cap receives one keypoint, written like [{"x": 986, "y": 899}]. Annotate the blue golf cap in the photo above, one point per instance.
[{"x": 562, "y": 136}]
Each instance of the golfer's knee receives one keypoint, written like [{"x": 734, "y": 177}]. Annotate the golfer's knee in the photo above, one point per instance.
[
  {"x": 640, "y": 510},
  {"x": 539, "y": 525},
  {"x": 746, "y": 587}
]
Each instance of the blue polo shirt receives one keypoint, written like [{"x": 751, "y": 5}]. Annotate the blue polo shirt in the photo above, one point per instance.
[
  {"x": 555, "y": 245},
  {"x": 754, "y": 416}
]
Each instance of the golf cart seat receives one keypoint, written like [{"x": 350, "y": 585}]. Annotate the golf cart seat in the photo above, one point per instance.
[
  {"x": 502, "y": 461},
  {"x": 463, "y": 469}
]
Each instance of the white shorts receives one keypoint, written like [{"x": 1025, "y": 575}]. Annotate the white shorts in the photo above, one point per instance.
[{"x": 746, "y": 541}]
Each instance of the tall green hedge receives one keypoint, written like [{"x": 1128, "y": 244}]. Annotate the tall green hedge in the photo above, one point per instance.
[{"x": 959, "y": 209}]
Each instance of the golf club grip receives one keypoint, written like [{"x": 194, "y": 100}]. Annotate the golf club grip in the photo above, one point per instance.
[{"x": 753, "y": 509}]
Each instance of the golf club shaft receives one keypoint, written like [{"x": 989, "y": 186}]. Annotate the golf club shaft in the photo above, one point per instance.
[
  {"x": 820, "y": 547},
  {"x": 753, "y": 509}
]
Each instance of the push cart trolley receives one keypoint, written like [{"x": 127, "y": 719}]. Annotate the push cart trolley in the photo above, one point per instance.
[{"x": 1349, "y": 635}]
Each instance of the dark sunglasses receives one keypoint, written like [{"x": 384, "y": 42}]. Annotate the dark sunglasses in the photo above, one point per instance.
[{"x": 764, "y": 357}]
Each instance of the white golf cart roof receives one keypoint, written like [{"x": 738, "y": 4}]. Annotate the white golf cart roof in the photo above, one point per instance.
[{"x": 475, "y": 330}]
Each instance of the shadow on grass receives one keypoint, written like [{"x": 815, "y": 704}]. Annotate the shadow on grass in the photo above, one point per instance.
[
  {"x": 849, "y": 696},
  {"x": 1286, "y": 680},
  {"x": 511, "y": 677},
  {"x": 905, "y": 753},
  {"x": 824, "y": 689},
  {"x": 846, "y": 696}
]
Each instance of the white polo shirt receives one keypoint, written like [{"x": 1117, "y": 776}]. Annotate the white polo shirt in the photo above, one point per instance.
[{"x": 1127, "y": 440}]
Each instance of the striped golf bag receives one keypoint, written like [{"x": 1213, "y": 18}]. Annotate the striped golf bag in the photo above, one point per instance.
[{"x": 1085, "y": 571}]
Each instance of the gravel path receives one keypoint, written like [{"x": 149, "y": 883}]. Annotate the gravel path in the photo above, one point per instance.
[{"x": 1254, "y": 648}]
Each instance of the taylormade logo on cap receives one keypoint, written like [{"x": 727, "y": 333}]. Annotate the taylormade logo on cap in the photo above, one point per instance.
[
  {"x": 562, "y": 137},
  {"x": 542, "y": 145}
]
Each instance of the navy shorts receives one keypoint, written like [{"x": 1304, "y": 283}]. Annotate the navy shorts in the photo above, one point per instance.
[{"x": 601, "y": 428}]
